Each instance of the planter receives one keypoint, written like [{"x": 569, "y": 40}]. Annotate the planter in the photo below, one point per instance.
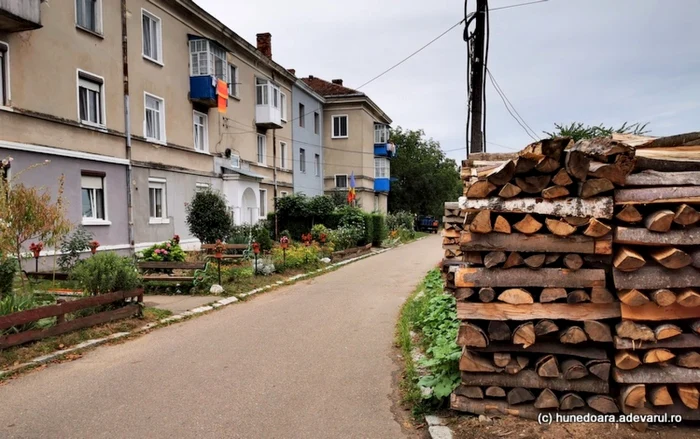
[
  {"x": 351, "y": 253},
  {"x": 49, "y": 275},
  {"x": 65, "y": 292}
]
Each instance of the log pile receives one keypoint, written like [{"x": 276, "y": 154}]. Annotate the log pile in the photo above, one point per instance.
[
  {"x": 656, "y": 276},
  {"x": 536, "y": 244}
]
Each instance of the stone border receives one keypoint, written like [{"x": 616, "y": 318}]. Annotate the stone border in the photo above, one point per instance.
[
  {"x": 187, "y": 314},
  {"x": 437, "y": 427}
]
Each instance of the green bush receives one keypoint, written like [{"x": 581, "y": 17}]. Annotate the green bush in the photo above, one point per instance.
[
  {"x": 237, "y": 274},
  {"x": 317, "y": 231},
  {"x": 398, "y": 220},
  {"x": 208, "y": 217},
  {"x": 346, "y": 237},
  {"x": 241, "y": 234},
  {"x": 106, "y": 272},
  {"x": 298, "y": 256},
  {"x": 15, "y": 303},
  {"x": 8, "y": 268},
  {"x": 379, "y": 229},
  {"x": 71, "y": 248},
  {"x": 369, "y": 230},
  {"x": 167, "y": 251},
  {"x": 262, "y": 237}
]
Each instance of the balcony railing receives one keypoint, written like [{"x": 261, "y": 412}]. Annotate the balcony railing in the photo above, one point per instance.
[{"x": 20, "y": 15}]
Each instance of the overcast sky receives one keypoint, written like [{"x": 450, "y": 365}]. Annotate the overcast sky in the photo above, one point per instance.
[{"x": 592, "y": 61}]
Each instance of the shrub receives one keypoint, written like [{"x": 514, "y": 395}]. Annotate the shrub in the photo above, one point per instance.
[
  {"x": 237, "y": 274},
  {"x": 8, "y": 268},
  {"x": 106, "y": 272},
  {"x": 167, "y": 251},
  {"x": 351, "y": 217},
  {"x": 397, "y": 220},
  {"x": 241, "y": 234},
  {"x": 317, "y": 231},
  {"x": 71, "y": 248},
  {"x": 208, "y": 217},
  {"x": 369, "y": 230},
  {"x": 320, "y": 207},
  {"x": 297, "y": 256},
  {"x": 262, "y": 237},
  {"x": 346, "y": 237},
  {"x": 380, "y": 232}
]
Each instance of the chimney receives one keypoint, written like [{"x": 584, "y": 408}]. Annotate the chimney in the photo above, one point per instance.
[
  {"x": 337, "y": 81},
  {"x": 265, "y": 44},
  {"x": 311, "y": 76},
  {"x": 292, "y": 71}
]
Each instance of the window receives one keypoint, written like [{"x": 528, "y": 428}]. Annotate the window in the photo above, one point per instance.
[
  {"x": 381, "y": 133},
  {"x": 89, "y": 15},
  {"x": 152, "y": 37},
  {"x": 263, "y": 203},
  {"x": 208, "y": 59},
  {"x": 317, "y": 123},
  {"x": 4, "y": 74},
  {"x": 340, "y": 127},
  {"x": 201, "y": 187},
  {"x": 262, "y": 146},
  {"x": 283, "y": 155},
  {"x": 235, "y": 161},
  {"x": 90, "y": 95},
  {"x": 317, "y": 165},
  {"x": 283, "y": 102},
  {"x": 267, "y": 93},
  {"x": 233, "y": 80},
  {"x": 381, "y": 168},
  {"x": 93, "y": 197},
  {"x": 157, "y": 201},
  {"x": 154, "y": 124},
  {"x": 201, "y": 132},
  {"x": 302, "y": 160},
  {"x": 341, "y": 181},
  {"x": 302, "y": 115}
]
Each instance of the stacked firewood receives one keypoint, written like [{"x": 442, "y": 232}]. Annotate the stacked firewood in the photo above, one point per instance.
[
  {"x": 531, "y": 288},
  {"x": 657, "y": 278}
]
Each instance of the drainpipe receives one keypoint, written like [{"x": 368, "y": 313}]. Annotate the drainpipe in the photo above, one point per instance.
[
  {"x": 274, "y": 171},
  {"x": 127, "y": 124}
]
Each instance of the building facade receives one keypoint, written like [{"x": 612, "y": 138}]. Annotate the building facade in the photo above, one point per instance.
[{"x": 307, "y": 134}]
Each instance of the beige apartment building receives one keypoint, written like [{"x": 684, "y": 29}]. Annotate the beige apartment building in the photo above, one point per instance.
[{"x": 121, "y": 97}]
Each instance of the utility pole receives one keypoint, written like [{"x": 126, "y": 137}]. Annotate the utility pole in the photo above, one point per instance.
[{"x": 477, "y": 80}]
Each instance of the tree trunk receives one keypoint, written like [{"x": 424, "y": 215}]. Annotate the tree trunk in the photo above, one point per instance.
[
  {"x": 501, "y": 359},
  {"x": 487, "y": 294},
  {"x": 663, "y": 297}
]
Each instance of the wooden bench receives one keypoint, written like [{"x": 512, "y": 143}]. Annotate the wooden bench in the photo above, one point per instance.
[
  {"x": 196, "y": 266},
  {"x": 227, "y": 247}
]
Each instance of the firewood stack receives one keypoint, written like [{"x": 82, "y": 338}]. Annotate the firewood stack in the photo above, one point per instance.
[
  {"x": 536, "y": 314},
  {"x": 657, "y": 277}
]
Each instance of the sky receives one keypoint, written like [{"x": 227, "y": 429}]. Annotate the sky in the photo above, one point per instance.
[{"x": 591, "y": 61}]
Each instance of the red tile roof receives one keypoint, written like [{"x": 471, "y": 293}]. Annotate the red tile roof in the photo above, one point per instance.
[{"x": 325, "y": 88}]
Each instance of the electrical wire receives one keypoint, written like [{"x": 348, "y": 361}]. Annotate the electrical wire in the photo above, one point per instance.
[{"x": 505, "y": 100}]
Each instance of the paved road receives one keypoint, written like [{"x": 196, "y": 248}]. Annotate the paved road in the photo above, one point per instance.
[{"x": 312, "y": 360}]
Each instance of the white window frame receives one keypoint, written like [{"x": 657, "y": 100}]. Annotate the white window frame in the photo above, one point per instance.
[
  {"x": 93, "y": 220},
  {"x": 283, "y": 155},
  {"x": 302, "y": 115},
  {"x": 158, "y": 183},
  {"x": 100, "y": 82},
  {"x": 302, "y": 160},
  {"x": 347, "y": 126},
  {"x": 382, "y": 167},
  {"x": 347, "y": 181},
  {"x": 5, "y": 89},
  {"x": 205, "y": 128},
  {"x": 233, "y": 80},
  {"x": 261, "y": 149},
  {"x": 317, "y": 122},
  {"x": 269, "y": 93},
  {"x": 159, "y": 37},
  {"x": 236, "y": 161},
  {"x": 212, "y": 52},
  {"x": 162, "y": 133},
  {"x": 262, "y": 193},
  {"x": 317, "y": 165},
  {"x": 381, "y": 133},
  {"x": 283, "y": 107},
  {"x": 98, "y": 18}
]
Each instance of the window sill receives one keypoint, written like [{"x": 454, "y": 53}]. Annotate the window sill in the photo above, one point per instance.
[
  {"x": 153, "y": 221},
  {"x": 339, "y": 137},
  {"x": 236, "y": 97},
  {"x": 96, "y": 222},
  {"x": 154, "y": 61},
  {"x": 91, "y": 32},
  {"x": 6, "y": 108},
  {"x": 201, "y": 152},
  {"x": 157, "y": 142},
  {"x": 87, "y": 123}
]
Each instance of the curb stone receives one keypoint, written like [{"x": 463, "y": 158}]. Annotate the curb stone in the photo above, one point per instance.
[
  {"x": 193, "y": 312},
  {"x": 437, "y": 427}
]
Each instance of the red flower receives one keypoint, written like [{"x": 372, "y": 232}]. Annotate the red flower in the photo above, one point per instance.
[
  {"x": 36, "y": 248},
  {"x": 176, "y": 239},
  {"x": 93, "y": 246}
]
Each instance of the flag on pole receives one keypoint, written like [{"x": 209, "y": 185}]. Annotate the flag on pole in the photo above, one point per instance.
[{"x": 351, "y": 192}]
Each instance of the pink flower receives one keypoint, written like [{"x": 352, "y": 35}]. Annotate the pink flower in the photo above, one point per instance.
[{"x": 167, "y": 245}]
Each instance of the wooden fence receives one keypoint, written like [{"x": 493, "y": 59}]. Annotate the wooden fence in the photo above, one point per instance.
[{"x": 61, "y": 309}]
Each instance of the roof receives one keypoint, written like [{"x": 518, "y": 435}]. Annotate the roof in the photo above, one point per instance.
[{"x": 325, "y": 88}]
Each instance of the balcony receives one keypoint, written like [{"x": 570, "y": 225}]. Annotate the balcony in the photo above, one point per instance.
[
  {"x": 382, "y": 184},
  {"x": 382, "y": 174},
  {"x": 203, "y": 90},
  {"x": 207, "y": 65},
  {"x": 382, "y": 146},
  {"x": 20, "y": 15},
  {"x": 267, "y": 105}
]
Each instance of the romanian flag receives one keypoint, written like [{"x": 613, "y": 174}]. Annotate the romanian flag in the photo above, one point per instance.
[
  {"x": 222, "y": 95},
  {"x": 351, "y": 192}
]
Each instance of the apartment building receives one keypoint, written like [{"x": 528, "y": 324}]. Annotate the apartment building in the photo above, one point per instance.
[
  {"x": 307, "y": 134},
  {"x": 122, "y": 98},
  {"x": 355, "y": 142}
]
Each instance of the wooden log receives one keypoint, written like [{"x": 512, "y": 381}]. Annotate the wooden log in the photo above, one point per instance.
[
  {"x": 547, "y": 347},
  {"x": 487, "y": 294},
  {"x": 529, "y": 379},
  {"x": 573, "y": 335},
  {"x": 514, "y": 260},
  {"x": 501, "y": 408},
  {"x": 576, "y": 164},
  {"x": 669, "y": 374},
  {"x": 602, "y": 404},
  {"x": 695, "y": 258},
  {"x": 473, "y": 258},
  {"x": 471, "y": 362},
  {"x": 670, "y": 194},
  {"x": 469, "y": 277},
  {"x": 602, "y": 148},
  {"x": 471, "y": 336},
  {"x": 659, "y": 396},
  {"x": 686, "y": 215},
  {"x": 667, "y": 330},
  {"x": 553, "y": 192},
  {"x": 463, "y": 293},
  {"x": 633, "y": 396},
  {"x": 533, "y": 184},
  {"x": 629, "y": 214},
  {"x": 683, "y": 341},
  {"x": 634, "y": 331},
  {"x": 551, "y": 258},
  {"x": 654, "y": 277},
  {"x": 656, "y": 178},
  {"x": 573, "y": 369},
  {"x": 564, "y": 311},
  {"x": 515, "y": 365},
  {"x": 528, "y": 225},
  {"x": 577, "y": 221},
  {"x": 597, "y": 229},
  {"x": 544, "y": 327},
  {"x": 639, "y": 236},
  {"x": 578, "y": 296},
  {"x": 600, "y": 207},
  {"x": 535, "y": 243},
  {"x": 632, "y": 297},
  {"x": 516, "y": 296},
  {"x": 502, "y": 174},
  {"x": 659, "y": 221},
  {"x": 501, "y": 359},
  {"x": 688, "y": 298},
  {"x": 627, "y": 360},
  {"x": 615, "y": 172},
  {"x": 695, "y": 326},
  {"x": 573, "y": 261},
  {"x": 571, "y": 401},
  {"x": 597, "y": 331},
  {"x": 519, "y": 395},
  {"x": 548, "y": 367},
  {"x": 596, "y": 186},
  {"x": 599, "y": 368},
  {"x": 481, "y": 223},
  {"x": 481, "y": 189},
  {"x": 524, "y": 165},
  {"x": 473, "y": 392},
  {"x": 689, "y": 359},
  {"x": 652, "y": 312},
  {"x": 492, "y": 259},
  {"x": 535, "y": 261},
  {"x": 547, "y": 400},
  {"x": 509, "y": 191},
  {"x": 495, "y": 392},
  {"x": 559, "y": 228},
  {"x": 628, "y": 260},
  {"x": 548, "y": 165},
  {"x": 552, "y": 294},
  {"x": 562, "y": 178},
  {"x": 689, "y": 394},
  {"x": 499, "y": 331},
  {"x": 685, "y": 139},
  {"x": 524, "y": 335},
  {"x": 502, "y": 226},
  {"x": 663, "y": 297},
  {"x": 601, "y": 295},
  {"x": 657, "y": 356},
  {"x": 552, "y": 148}
]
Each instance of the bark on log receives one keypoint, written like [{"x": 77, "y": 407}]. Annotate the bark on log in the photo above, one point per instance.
[
  {"x": 502, "y": 174},
  {"x": 659, "y": 396},
  {"x": 633, "y": 396},
  {"x": 548, "y": 367},
  {"x": 597, "y": 229},
  {"x": 634, "y": 331},
  {"x": 571, "y": 401},
  {"x": 598, "y": 331},
  {"x": 663, "y": 297},
  {"x": 657, "y": 356},
  {"x": 501, "y": 408},
  {"x": 599, "y": 368},
  {"x": 538, "y": 243},
  {"x": 471, "y": 336},
  {"x": 573, "y": 369},
  {"x": 481, "y": 189},
  {"x": 689, "y": 394},
  {"x": 553, "y": 192},
  {"x": 564, "y": 311},
  {"x": 573, "y": 335},
  {"x": 499, "y": 331},
  {"x": 552, "y": 148},
  {"x": 547, "y": 347},
  {"x": 656, "y": 178},
  {"x": 471, "y": 362},
  {"x": 509, "y": 191},
  {"x": 562, "y": 178},
  {"x": 639, "y": 236},
  {"x": 473, "y": 258},
  {"x": 514, "y": 260},
  {"x": 573, "y": 261},
  {"x": 577, "y": 221},
  {"x": 516, "y": 296},
  {"x": 683, "y": 341},
  {"x": 492, "y": 259},
  {"x": 552, "y": 294},
  {"x": 548, "y": 165},
  {"x": 652, "y": 312},
  {"x": 524, "y": 335},
  {"x": 652, "y": 278},
  {"x": 602, "y": 404},
  {"x": 685, "y": 139},
  {"x": 559, "y": 228},
  {"x": 628, "y": 260},
  {"x": 601, "y": 295},
  {"x": 659, "y": 221},
  {"x": 667, "y": 330},
  {"x": 487, "y": 294},
  {"x": 632, "y": 297},
  {"x": 472, "y": 392},
  {"x": 519, "y": 395},
  {"x": 688, "y": 298},
  {"x": 535, "y": 261},
  {"x": 596, "y": 186},
  {"x": 463, "y": 293},
  {"x": 690, "y": 360},
  {"x": 627, "y": 360},
  {"x": 686, "y": 215},
  {"x": 502, "y": 226},
  {"x": 578, "y": 296},
  {"x": 599, "y": 207},
  {"x": 669, "y": 374},
  {"x": 544, "y": 327},
  {"x": 528, "y": 225},
  {"x": 533, "y": 184},
  {"x": 515, "y": 365},
  {"x": 547, "y": 400},
  {"x": 481, "y": 223},
  {"x": 670, "y": 194},
  {"x": 495, "y": 392},
  {"x": 469, "y": 277},
  {"x": 529, "y": 379},
  {"x": 577, "y": 163},
  {"x": 524, "y": 165},
  {"x": 629, "y": 214}
]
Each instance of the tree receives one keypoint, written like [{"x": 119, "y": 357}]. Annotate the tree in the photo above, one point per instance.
[
  {"x": 424, "y": 177},
  {"x": 578, "y": 130},
  {"x": 208, "y": 217}
]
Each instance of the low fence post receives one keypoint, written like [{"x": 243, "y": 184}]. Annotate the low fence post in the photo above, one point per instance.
[{"x": 62, "y": 317}]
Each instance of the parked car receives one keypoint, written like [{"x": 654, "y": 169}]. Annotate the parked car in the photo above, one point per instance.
[{"x": 426, "y": 223}]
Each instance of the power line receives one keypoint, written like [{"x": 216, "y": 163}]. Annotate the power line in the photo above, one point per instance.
[{"x": 517, "y": 118}]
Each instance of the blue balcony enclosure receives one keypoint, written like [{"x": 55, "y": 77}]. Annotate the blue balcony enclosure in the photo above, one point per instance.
[
  {"x": 203, "y": 90},
  {"x": 382, "y": 146},
  {"x": 387, "y": 150},
  {"x": 382, "y": 174},
  {"x": 207, "y": 65},
  {"x": 382, "y": 184}
]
